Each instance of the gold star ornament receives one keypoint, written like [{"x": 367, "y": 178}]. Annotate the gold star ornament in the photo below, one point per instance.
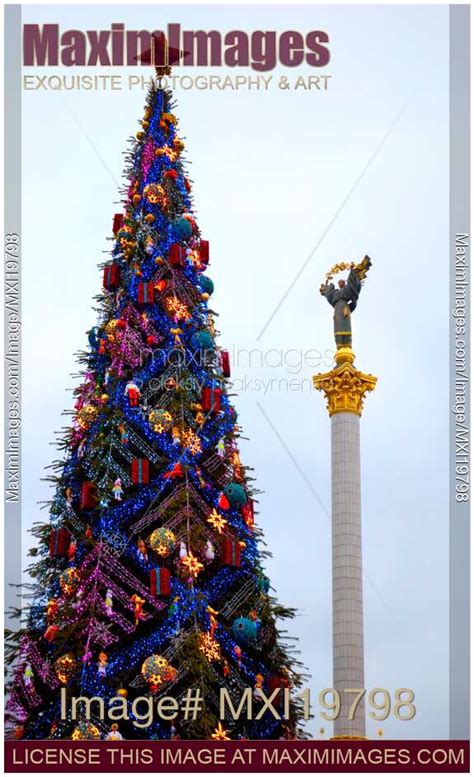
[
  {"x": 220, "y": 733},
  {"x": 217, "y": 521}
]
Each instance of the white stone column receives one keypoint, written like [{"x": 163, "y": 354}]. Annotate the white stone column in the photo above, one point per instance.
[
  {"x": 348, "y": 617},
  {"x": 345, "y": 388}
]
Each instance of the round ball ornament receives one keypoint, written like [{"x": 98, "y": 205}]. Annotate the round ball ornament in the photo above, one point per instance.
[
  {"x": 85, "y": 731},
  {"x": 111, "y": 328},
  {"x": 170, "y": 384},
  {"x": 87, "y": 415},
  {"x": 235, "y": 494},
  {"x": 154, "y": 193},
  {"x": 19, "y": 731},
  {"x": 93, "y": 336},
  {"x": 160, "y": 420},
  {"x": 162, "y": 541},
  {"x": 65, "y": 668},
  {"x": 69, "y": 580},
  {"x": 156, "y": 670},
  {"x": 149, "y": 247},
  {"x": 202, "y": 341},
  {"x": 206, "y": 284},
  {"x": 244, "y": 630},
  {"x": 183, "y": 229}
]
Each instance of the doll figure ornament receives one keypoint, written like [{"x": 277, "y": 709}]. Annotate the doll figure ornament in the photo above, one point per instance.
[
  {"x": 109, "y": 602},
  {"x": 138, "y": 603},
  {"x": 259, "y": 680},
  {"x": 114, "y": 734},
  {"x": 102, "y": 664},
  {"x": 132, "y": 392},
  {"x": 28, "y": 675},
  {"x": 117, "y": 490}
]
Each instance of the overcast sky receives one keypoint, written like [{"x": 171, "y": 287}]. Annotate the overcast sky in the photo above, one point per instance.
[{"x": 272, "y": 170}]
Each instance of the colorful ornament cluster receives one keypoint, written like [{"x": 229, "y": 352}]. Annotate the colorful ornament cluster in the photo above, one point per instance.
[{"x": 149, "y": 574}]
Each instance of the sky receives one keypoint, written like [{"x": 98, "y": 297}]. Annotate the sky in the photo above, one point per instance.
[{"x": 279, "y": 176}]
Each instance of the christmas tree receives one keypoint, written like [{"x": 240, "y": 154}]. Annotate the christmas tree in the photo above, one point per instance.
[{"x": 147, "y": 579}]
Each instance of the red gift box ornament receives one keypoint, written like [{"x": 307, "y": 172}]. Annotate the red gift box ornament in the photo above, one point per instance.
[
  {"x": 111, "y": 276},
  {"x": 59, "y": 542},
  {"x": 281, "y": 683},
  {"x": 160, "y": 582},
  {"x": 177, "y": 255},
  {"x": 231, "y": 553},
  {"x": 88, "y": 499},
  {"x": 248, "y": 513},
  {"x": 140, "y": 471},
  {"x": 211, "y": 399},
  {"x": 225, "y": 363},
  {"x": 204, "y": 251},
  {"x": 146, "y": 293},
  {"x": 118, "y": 223}
]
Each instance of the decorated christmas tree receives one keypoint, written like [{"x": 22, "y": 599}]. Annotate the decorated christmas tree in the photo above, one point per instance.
[{"x": 148, "y": 578}]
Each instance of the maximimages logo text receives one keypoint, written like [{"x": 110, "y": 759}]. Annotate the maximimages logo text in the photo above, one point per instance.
[{"x": 47, "y": 45}]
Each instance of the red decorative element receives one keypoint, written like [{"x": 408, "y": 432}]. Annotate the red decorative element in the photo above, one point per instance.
[
  {"x": 88, "y": 499},
  {"x": 59, "y": 542},
  {"x": 225, "y": 363},
  {"x": 118, "y": 223},
  {"x": 176, "y": 472},
  {"x": 278, "y": 681},
  {"x": 160, "y": 53},
  {"x": 248, "y": 513},
  {"x": 133, "y": 393},
  {"x": 146, "y": 293},
  {"x": 211, "y": 399},
  {"x": 51, "y": 633},
  {"x": 177, "y": 255},
  {"x": 204, "y": 251},
  {"x": 231, "y": 553},
  {"x": 223, "y": 502},
  {"x": 171, "y": 174},
  {"x": 138, "y": 603},
  {"x": 140, "y": 471},
  {"x": 111, "y": 276},
  {"x": 160, "y": 582},
  {"x": 187, "y": 185}
]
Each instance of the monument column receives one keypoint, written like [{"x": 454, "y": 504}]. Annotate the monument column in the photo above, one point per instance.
[{"x": 345, "y": 388}]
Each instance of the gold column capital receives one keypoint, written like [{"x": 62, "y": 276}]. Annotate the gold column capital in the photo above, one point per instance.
[{"x": 344, "y": 387}]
